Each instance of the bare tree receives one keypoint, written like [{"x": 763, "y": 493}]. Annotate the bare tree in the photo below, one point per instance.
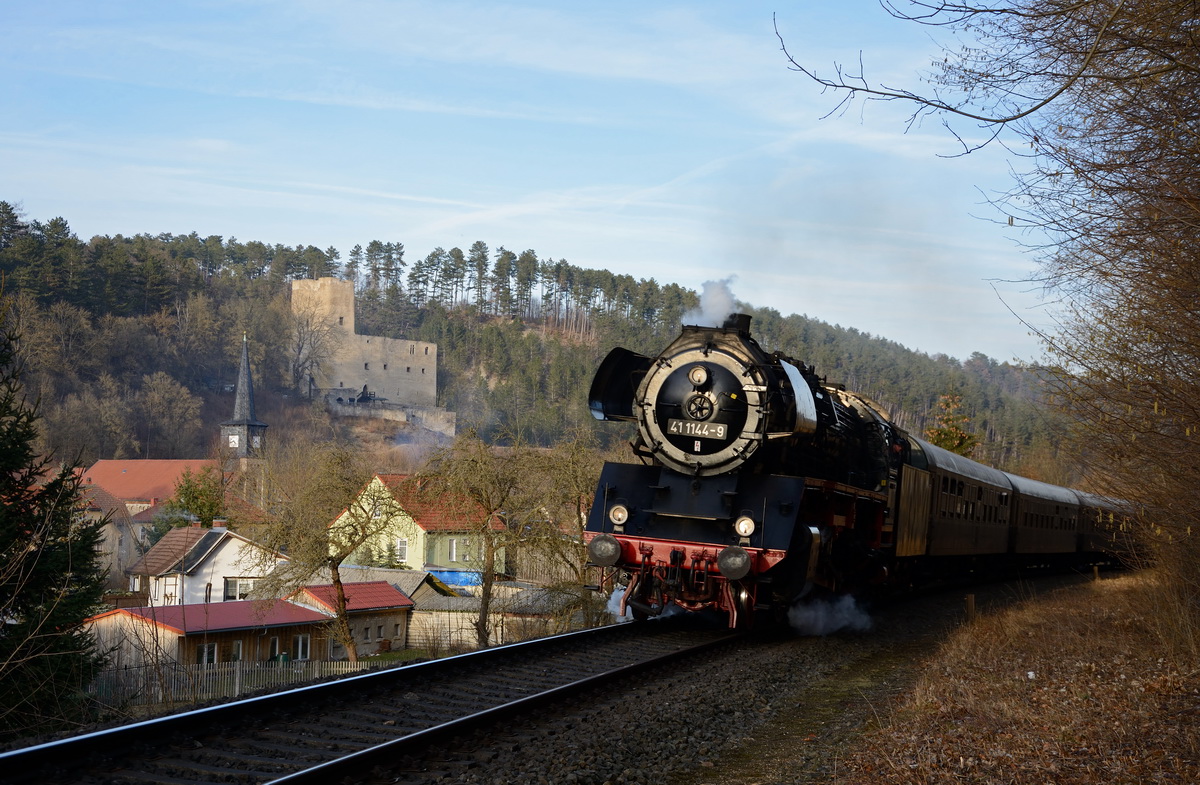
[
  {"x": 487, "y": 490},
  {"x": 322, "y": 511},
  {"x": 1104, "y": 97},
  {"x": 565, "y": 479},
  {"x": 312, "y": 342},
  {"x": 170, "y": 417}
]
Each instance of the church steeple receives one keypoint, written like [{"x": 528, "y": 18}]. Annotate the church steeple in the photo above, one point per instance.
[{"x": 244, "y": 433}]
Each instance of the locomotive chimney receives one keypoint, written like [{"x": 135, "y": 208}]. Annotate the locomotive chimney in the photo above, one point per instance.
[{"x": 738, "y": 321}]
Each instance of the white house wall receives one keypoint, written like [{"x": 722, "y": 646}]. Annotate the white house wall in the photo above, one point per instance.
[{"x": 232, "y": 558}]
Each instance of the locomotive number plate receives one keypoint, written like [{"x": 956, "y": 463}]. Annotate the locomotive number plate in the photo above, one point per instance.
[{"x": 703, "y": 430}]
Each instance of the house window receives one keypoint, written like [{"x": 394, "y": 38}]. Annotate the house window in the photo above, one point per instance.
[
  {"x": 402, "y": 549},
  {"x": 379, "y": 632},
  {"x": 396, "y": 634},
  {"x": 453, "y": 548},
  {"x": 206, "y": 654},
  {"x": 273, "y": 648},
  {"x": 366, "y": 633},
  {"x": 235, "y": 652},
  {"x": 170, "y": 589},
  {"x": 300, "y": 647},
  {"x": 208, "y": 592},
  {"x": 135, "y": 583},
  {"x": 238, "y": 588},
  {"x": 466, "y": 550}
]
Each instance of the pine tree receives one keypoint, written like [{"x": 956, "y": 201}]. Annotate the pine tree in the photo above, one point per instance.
[{"x": 50, "y": 574}]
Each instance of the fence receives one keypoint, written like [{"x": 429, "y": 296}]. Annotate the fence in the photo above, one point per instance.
[{"x": 170, "y": 686}]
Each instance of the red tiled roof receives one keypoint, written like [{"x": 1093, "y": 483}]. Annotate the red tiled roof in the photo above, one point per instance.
[
  {"x": 443, "y": 513},
  {"x": 150, "y": 514},
  {"x": 372, "y": 595},
  {"x": 217, "y": 616},
  {"x": 142, "y": 480}
]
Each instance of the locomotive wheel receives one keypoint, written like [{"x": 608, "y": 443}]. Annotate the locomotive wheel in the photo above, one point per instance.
[{"x": 743, "y": 603}]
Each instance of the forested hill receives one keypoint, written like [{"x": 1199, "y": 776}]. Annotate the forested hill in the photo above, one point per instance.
[{"x": 132, "y": 343}]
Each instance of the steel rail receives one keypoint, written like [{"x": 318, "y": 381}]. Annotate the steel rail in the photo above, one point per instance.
[{"x": 388, "y": 752}]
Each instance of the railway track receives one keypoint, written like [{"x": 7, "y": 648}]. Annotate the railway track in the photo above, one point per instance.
[{"x": 328, "y": 732}]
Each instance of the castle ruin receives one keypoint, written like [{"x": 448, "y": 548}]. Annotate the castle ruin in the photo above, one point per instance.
[{"x": 368, "y": 375}]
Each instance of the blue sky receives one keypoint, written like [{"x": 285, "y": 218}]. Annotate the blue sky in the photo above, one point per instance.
[{"x": 665, "y": 140}]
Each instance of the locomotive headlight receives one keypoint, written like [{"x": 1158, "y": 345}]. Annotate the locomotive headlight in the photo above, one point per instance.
[
  {"x": 698, "y": 375},
  {"x": 744, "y": 526},
  {"x": 618, "y": 514},
  {"x": 604, "y": 550}
]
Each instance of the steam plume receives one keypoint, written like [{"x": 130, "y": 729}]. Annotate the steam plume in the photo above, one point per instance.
[
  {"x": 614, "y": 605},
  {"x": 822, "y": 617},
  {"x": 716, "y": 303}
]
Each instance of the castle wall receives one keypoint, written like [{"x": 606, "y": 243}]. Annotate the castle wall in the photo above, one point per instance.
[{"x": 396, "y": 371}]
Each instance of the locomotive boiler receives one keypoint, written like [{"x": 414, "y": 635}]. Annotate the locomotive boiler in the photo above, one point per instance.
[{"x": 757, "y": 482}]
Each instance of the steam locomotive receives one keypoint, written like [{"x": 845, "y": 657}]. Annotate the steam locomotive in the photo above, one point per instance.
[{"x": 759, "y": 484}]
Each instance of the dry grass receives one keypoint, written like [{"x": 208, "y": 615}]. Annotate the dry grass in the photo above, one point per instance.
[{"x": 1072, "y": 688}]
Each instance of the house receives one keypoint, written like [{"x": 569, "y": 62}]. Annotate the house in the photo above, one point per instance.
[
  {"x": 122, "y": 538},
  {"x": 536, "y": 611},
  {"x": 192, "y": 565},
  {"x": 140, "y": 484},
  {"x": 210, "y": 633},
  {"x": 417, "y": 585},
  {"x": 444, "y": 625},
  {"x": 414, "y": 529},
  {"x": 377, "y": 612},
  {"x": 132, "y": 493}
]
